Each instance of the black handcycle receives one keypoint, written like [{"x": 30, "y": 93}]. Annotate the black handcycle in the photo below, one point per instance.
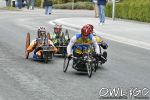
[
  {"x": 84, "y": 62},
  {"x": 62, "y": 43}
]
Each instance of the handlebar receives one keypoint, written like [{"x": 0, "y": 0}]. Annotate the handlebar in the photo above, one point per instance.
[{"x": 82, "y": 57}]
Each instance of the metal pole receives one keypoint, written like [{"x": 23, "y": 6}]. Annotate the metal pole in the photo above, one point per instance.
[
  {"x": 72, "y": 4},
  {"x": 113, "y": 10}
]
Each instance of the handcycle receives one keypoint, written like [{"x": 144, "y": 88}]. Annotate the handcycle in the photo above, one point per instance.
[
  {"x": 84, "y": 62},
  {"x": 62, "y": 43},
  {"x": 47, "y": 51}
]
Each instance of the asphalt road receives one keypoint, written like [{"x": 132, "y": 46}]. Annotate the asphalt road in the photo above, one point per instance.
[{"x": 22, "y": 79}]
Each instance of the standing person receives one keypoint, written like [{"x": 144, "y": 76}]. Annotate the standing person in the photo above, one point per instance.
[
  {"x": 28, "y": 3},
  {"x": 19, "y": 4},
  {"x": 32, "y": 4},
  {"x": 13, "y": 3},
  {"x": 7, "y": 3},
  {"x": 95, "y": 8},
  {"x": 101, "y": 7},
  {"x": 24, "y": 2},
  {"x": 48, "y": 6}
]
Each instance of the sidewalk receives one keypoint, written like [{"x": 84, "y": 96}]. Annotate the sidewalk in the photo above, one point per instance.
[{"x": 123, "y": 31}]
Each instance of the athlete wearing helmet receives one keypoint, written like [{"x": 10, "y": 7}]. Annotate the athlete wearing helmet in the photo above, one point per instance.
[
  {"x": 98, "y": 38},
  {"x": 41, "y": 32},
  {"x": 55, "y": 37},
  {"x": 100, "y": 42},
  {"x": 38, "y": 42},
  {"x": 57, "y": 29},
  {"x": 84, "y": 38},
  {"x": 58, "y": 37}
]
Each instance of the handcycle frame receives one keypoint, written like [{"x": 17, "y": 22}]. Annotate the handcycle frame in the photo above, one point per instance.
[{"x": 86, "y": 59}]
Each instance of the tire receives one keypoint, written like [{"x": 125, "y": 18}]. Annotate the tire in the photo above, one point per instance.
[
  {"x": 45, "y": 58},
  {"x": 66, "y": 64},
  {"x": 67, "y": 33},
  {"x": 27, "y": 45},
  {"x": 100, "y": 49},
  {"x": 89, "y": 69},
  {"x": 95, "y": 66},
  {"x": 64, "y": 53},
  {"x": 51, "y": 56}
]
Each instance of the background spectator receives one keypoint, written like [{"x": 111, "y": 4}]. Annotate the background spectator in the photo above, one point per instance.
[
  {"x": 101, "y": 8},
  {"x": 28, "y": 3},
  {"x": 8, "y": 3},
  {"x": 32, "y": 4},
  {"x": 13, "y": 3},
  {"x": 19, "y": 3},
  {"x": 48, "y": 6}
]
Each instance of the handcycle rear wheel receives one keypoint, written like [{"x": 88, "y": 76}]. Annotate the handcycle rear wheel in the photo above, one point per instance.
[
  {"x": 95, "y": 66},
  {"x": 27, "y": 45},
  {"x": 67, "y": 33},
  {"x": 48, "y": 36},
  {"x": 66, "y": 64}
]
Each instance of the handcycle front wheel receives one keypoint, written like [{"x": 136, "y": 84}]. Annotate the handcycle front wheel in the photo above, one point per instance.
[
  {"x": 66, "y": 64},
  {"x": 89, "y": 69},
  {"x": 45, "y": 57}
]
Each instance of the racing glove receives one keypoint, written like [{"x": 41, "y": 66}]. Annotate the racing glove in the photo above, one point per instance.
[
  {"x": 103, "y": 57},
  {"x": 104, "y": 45},
  {"x": 37, "y": 49},
  {"x": 69, "y": 56}
]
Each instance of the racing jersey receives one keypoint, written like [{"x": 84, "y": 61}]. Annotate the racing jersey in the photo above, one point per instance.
[
  {"x": 58, "y": 39},
  {"x": 98, "y": 39},
  {"x": 77, "y": 41},
  {"x": 55, "y": 38}
]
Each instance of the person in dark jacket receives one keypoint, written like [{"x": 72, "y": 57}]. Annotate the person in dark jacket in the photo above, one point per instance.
[
  {"x": 19, "y": 4},
  {"x": 48, "y": 6},
  {"x": 28, "y": 3},
  {"x": 32, "y": 2},
  {"x": 101, "y": 7}
]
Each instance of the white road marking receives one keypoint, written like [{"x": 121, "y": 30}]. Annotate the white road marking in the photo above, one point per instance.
[{"x": 53, "y": 23}]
